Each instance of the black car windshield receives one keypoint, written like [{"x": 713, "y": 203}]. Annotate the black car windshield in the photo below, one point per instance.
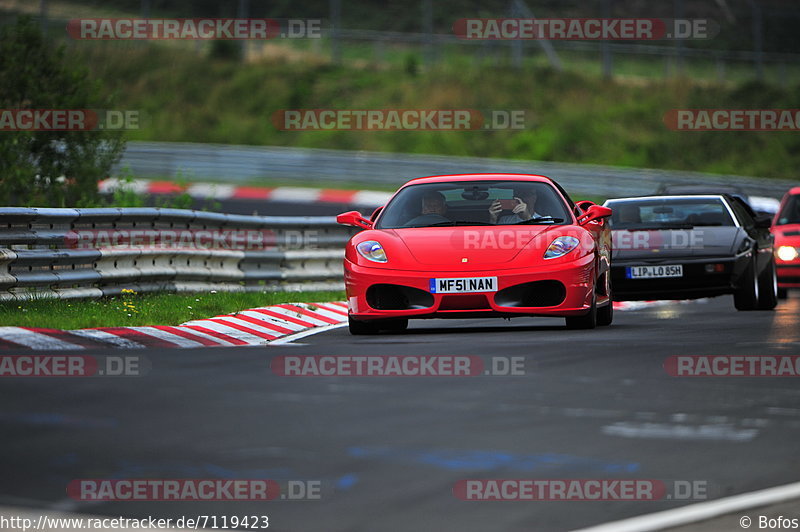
[
  {"x": 475, "y": 203},
  {"x": 669, "y": 213},
  {"x": 790, "y": 213}
]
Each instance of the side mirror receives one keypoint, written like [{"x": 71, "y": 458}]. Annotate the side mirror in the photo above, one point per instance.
[
  {"x": 594, "y": 213},
  {"x": 355, "y": 219},
  {"x": 584, "y": 205},
  {"x": 763, "y": 222},
  {"x": 375, "y": 214}
]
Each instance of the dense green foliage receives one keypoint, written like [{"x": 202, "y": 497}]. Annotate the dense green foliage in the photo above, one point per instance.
[
  {"x": 571, "y": 117},
  {"x": 49, "y": 168},
  {"x": 735, "y": 19}
]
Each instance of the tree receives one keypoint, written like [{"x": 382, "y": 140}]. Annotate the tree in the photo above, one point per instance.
[{"x": 49, "y": 168}]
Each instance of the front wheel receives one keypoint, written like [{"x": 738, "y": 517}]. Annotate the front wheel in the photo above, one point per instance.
[
  {"x": 587, "y": 321},
  {"x": 393, "y": 325},
  {"x": 361, "y": 328},
  {"x": 605, "y": 315},
  {"x": 746, "y": 296},
  {"x": 768, "y": 287}
]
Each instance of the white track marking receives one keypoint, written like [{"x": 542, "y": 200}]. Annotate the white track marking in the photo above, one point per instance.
[
  {"x": 169, "y": 337},
  {"x": 305, "y": 195},
  {"x": 231, "y": 331},
  {"x": 668, "y": 431},
  {"x": 210, "y": 190},
  {"x": 371, "y": 197},
  {"x": 263, "y": 329},
  {"x": 286, "y": 324},
  {"x": 299, "y": 316},
  {"x": 35, "y": 340},
  {"x": 307, "y": 332},
  {"x": 336, "y": 309},
  {"x": 221, "y": 341},
  {"x": 321, "y": 311},
  {"x": 108, "y": 338},
  {"x": 702, "y": 511}
]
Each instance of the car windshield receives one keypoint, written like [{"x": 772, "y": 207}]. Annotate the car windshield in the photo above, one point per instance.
[
  {"x": 790, "y": 213},
  {"x": 669, "y": 213},
  {"x": 474, "y": 203}
]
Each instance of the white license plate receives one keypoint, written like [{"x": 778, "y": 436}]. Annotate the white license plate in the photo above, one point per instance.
[
  {"x": 654, "y": 272},
  {"x": 463, "y": 285}
]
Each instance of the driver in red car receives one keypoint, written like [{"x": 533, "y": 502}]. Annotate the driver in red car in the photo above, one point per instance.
[
  {"x": 433, "y": 210},
  {"x": 524, "y": 209}
]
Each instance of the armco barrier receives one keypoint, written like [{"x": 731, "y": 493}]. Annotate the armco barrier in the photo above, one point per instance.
[{"x": 82, "y": 253}]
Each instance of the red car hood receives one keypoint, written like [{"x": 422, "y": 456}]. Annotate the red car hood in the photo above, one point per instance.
[
  {"x": 786, "y": 235},
  {"x": 480, "y": 246}
]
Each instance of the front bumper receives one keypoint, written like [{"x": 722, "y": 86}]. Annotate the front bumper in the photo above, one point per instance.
[
  {"x": 788, "y": 274},
  {"x": 695, "y": 283},
  {"x": 569, "y": 285}
]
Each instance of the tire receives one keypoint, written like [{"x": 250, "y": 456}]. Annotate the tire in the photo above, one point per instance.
[
  {"x": 768, "y": 287},
  {"x": 605, "y": 315},
  {"x": 361, "y": 328},
  {"x": 783, "y": 293},
  {"x": 587, "y": 321},
  {"x": 746, "y": 296},
  {"x": 394, "y": 325}
]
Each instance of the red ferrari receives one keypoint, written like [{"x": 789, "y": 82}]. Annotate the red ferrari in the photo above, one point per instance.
[
  {"x": 786, "y": 228},
  {"x": 478, "y": 245}
]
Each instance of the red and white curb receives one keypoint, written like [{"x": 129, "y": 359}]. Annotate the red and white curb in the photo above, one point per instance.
[
  {"x": 258, "y": 326},
  {"x": 366, "y": 198},
  {"x": 276, "y": 324}
]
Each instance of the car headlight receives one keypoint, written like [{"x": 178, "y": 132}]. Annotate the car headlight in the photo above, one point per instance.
[
  {"x": 787, "y": 253},
  {"x": 561, "y": 246},
  {"x": 745, "y": 247},
  {"x": 372, "y": 250}
]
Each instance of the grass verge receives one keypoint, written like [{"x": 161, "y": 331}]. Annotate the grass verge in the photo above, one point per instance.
[{"x": 145, "y": 309}]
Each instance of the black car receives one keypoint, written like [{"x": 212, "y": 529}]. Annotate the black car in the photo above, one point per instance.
[
  {"x": 692, "y": 246},
  {"x": 760, "y": 205}
]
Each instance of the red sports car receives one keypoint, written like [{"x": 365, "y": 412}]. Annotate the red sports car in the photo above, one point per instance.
[
  {"x": 786, "y": 228},
  {"x": 478, "y": 245}
]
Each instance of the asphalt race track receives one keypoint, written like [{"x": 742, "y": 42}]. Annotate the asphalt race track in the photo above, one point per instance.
[{"x": 388, "y": 450}]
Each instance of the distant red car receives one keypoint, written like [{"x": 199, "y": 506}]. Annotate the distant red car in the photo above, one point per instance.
[
  {"x": 478, "y": 245},
  {"x": 786, "y": 228}
]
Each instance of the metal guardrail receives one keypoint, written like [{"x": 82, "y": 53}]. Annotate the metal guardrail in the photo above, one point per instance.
[
  {"x": 203, "y": 162},
  {"x": 84, "y": 253}
]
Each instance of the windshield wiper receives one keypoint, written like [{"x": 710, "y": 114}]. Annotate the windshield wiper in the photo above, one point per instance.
[
  {"x": 541, "y": 220},
  {"x": 456, "y": 222}
]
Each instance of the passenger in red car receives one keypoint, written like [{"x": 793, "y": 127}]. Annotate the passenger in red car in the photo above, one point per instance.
[{"x": 523, "y": 210}]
